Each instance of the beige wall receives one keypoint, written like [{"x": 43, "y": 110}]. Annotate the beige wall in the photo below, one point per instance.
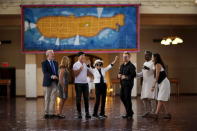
[
  {"x": 11, "y": 53},
  {"x": 180, "y": 59}
]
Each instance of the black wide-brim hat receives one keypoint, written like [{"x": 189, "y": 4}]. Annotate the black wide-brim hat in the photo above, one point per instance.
[{"x": 80, "y": 53}]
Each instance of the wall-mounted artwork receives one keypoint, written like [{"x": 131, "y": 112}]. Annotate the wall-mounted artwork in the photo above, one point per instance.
[{"x": 70, "y": 28}]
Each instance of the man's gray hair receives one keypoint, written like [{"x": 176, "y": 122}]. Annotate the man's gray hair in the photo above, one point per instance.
[{"x": 49, "y": 51}]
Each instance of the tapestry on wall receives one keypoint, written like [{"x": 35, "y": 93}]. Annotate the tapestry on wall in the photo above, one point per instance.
[{"x": 70, "y": 28}]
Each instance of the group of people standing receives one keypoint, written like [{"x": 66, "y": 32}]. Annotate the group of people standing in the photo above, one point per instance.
[{"x": 56, "y": 80}]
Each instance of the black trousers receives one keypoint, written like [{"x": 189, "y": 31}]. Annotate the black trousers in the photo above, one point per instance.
[
  {"x": 82, "y": 89},
  {"x": 125, "y": 96},
  {"x": 101, "y": 91}
]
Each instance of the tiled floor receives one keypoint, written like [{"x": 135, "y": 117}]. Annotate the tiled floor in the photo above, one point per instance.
[{"x": 20, "y": 114}]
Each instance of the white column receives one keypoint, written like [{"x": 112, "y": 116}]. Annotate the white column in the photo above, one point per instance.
[
  {"x": 134, "y": 61},
  {"x": 30, "y": 76}
]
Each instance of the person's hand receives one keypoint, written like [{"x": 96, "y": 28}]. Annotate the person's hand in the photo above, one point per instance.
[
  {"x": 81, "y": 68},
  {"x": 116, "y": 58},
  {"x": 119, "y": 76},
  {"x": 123, "y": 77},
  {"x": 88, "y": 62},
  {"x": 152, "y": 89},
  {"x": 54, "y": 77}
]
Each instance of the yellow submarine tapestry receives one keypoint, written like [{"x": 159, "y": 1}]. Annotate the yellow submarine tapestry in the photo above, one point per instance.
[{"x": 72, "y": 28}]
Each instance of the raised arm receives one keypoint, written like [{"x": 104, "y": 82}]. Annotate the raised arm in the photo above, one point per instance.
[
  {"x": 90, "y": 69},
  {"x": 111, "y": 65}
]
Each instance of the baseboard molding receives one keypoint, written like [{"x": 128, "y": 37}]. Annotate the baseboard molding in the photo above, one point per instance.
[
  {"x": 138, "y": 95},
  {"x": 188, "y": 94},
  {"x": 181, "y": 94}
]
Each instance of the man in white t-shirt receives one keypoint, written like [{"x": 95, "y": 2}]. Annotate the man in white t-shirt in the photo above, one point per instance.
[{"x": 81, "y": 84}]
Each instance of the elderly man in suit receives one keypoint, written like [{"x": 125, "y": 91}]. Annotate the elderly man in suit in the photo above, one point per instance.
[{"x": 50, "y": 81}]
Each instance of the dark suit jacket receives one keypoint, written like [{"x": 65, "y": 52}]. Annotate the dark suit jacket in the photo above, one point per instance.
[{"x": 47, "y": 71}]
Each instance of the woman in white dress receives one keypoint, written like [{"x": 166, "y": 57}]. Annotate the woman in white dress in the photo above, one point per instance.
[
  {"x": 163, "y": 86},
  {"x": 148, "y": 96}
]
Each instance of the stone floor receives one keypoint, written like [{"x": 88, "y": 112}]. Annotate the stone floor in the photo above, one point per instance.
[{"x": 20, "y": 114}]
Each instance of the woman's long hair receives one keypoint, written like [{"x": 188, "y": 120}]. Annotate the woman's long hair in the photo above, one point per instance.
[
  {"x": 65, "y": 63},
  {"x": 158, "y": 60}
]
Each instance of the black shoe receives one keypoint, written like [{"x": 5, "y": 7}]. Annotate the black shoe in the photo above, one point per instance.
[
  {"x": 46, "y": 116},
  {"x": 145, "y": 115},
  {"x": 167, "y": 116},
  {"x": 95, "y": 115},
  {"x": 60, "y": 116},
  {"x": 104, "y": 116},
  {"x": 124, "y": 116},
  {"x": 127, "y": 116},
  {"x": 79, "y": 116},
  {"x": 88, "y": 116},
  {"x": 155, "y": 116},
  {"x": 51, "y": 116},
  {"x": 130, "y": 117}
]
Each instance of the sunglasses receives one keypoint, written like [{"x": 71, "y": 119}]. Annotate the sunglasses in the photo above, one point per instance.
[{"x": 99, "y": 64}]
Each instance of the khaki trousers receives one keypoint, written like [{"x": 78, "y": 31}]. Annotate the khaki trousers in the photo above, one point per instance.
[{"x": 50, "y": 94}]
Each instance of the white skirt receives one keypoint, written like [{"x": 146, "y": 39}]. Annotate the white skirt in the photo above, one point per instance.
[
  {"x": 164, "y": 90},
  {"x": 146, "y": 92}
]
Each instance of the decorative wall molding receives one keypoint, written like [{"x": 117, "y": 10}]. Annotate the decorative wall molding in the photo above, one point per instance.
[
  {"x": 154, "y": 3},
  {"x": 148, "y": 6}
]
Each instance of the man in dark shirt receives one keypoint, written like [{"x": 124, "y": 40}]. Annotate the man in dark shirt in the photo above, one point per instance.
[{"x": 126, "y": 75}]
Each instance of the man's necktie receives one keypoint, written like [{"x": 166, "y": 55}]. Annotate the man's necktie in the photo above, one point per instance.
[{"x": 53, "y": 67}]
